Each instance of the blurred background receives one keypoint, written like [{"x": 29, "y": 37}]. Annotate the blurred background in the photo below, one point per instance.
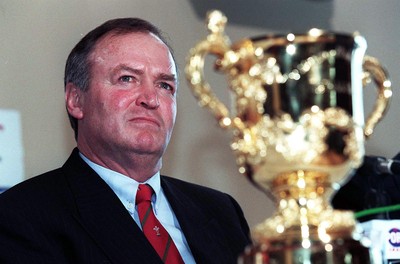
[{"x": 36, "y": 37}]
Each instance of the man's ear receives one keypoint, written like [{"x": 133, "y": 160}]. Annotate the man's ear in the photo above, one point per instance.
[{"x": 74, "y": 100}]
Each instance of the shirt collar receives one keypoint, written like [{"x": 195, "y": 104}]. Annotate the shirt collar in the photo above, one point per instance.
[{"x": 123, "y": 186}]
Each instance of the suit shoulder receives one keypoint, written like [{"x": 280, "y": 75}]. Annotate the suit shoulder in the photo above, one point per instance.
[
  {"x": 221, "y": 206},
  {"x": 202, "y": 194},
  {"x": 41, "y": 187},
  {"x": 192, "y": 187}
]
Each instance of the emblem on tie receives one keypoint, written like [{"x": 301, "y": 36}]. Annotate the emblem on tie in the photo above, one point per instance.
[
  {"x": 153, "y": 229},
  {"x": 157, "y": 229}
]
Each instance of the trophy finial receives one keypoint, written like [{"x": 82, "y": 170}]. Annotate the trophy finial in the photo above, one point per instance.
[{"x": 216, "y": 21}]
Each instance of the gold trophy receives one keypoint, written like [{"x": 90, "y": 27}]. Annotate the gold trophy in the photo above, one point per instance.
[{"x": 298, "y": 131}]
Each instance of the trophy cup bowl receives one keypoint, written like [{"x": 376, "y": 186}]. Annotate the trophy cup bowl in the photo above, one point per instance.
[{"x": 298, "y": 129}]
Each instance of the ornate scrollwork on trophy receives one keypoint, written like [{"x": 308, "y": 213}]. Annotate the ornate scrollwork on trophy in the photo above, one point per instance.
[{"x": 298, "y": 131}]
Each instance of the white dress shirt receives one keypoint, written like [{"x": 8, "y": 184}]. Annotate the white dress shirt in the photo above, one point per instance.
[{"x": 125, "y": 188}]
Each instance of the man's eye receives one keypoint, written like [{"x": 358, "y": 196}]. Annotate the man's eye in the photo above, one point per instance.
[
  {"x": 126, "y": 78},
  {"x": 166, "y": 86}
]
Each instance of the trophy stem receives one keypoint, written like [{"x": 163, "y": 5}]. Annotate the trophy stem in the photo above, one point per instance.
[{"x": 305, "y": 228}]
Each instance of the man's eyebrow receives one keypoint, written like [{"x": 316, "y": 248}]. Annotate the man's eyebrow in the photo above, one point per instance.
[
  {"x": 167, "y": 77},
  {"x": 161, "y": 76},
  {"x": 124, "y": 67}
]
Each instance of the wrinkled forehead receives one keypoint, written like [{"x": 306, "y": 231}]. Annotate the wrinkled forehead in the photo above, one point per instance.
[{"x": 111, "y": 39}]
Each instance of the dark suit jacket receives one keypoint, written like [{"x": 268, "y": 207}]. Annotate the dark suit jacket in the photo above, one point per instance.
[{"x": 70, "y": 215}]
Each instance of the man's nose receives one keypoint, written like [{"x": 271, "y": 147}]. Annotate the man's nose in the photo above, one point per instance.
[{"x": 148, "y": 97}]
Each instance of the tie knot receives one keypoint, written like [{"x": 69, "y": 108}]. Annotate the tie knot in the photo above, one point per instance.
[{"x": 144, "y": 193}]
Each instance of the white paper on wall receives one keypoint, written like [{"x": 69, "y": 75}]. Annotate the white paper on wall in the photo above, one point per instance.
[{"x": 11, "y": 149}]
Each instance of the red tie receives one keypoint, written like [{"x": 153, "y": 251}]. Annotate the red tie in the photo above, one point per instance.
[{"x": 152, "y": 228}]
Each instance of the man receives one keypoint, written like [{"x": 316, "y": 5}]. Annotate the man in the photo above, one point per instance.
[{"x": 120, "y": 94}]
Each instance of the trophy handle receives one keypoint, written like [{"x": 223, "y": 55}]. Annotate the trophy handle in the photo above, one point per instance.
[
  {"x": 373, "y": 69},
  {"x": 216, "y": 43}
]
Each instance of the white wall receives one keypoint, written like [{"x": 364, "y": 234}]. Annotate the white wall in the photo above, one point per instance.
[{"x": 36, "y": 37}]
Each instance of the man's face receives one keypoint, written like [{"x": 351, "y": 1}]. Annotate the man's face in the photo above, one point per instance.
[{"x": 130, "y": 106}]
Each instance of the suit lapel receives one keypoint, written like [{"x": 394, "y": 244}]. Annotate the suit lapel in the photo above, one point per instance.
[
  {"x": 201, "y": 230},
  {"x": 104, "y": 217}
]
